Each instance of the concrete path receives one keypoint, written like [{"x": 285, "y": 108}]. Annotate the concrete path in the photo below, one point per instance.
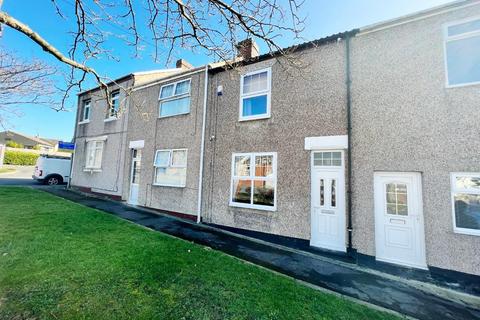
[{"x": 350, "y": 280}]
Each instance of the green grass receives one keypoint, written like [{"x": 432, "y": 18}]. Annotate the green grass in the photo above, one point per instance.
[
  {"x": 6, "y": 170},
  {"x": 60, "y": 260}
]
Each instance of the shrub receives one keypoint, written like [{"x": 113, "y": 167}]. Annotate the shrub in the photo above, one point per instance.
[
  {"x": 20, "y": 158},
  {"x": 13, "y": 144}
]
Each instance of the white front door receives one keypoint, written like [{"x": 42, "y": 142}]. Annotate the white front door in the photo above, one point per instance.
[
  {"x": 399, "y": 232},
  {"x": 328, "y": 201},
  {"x": 135, "y": 176}
]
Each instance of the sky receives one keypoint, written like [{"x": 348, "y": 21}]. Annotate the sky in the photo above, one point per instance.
[{"x": 323, "y": 18}]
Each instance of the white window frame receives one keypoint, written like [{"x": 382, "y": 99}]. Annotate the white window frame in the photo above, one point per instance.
[
  {"x": 169, "y": 165},
  {"x": 254, "y": 178},
  {"x": 88, "y": 150},
  {"x": 447, "y": 38},
  {"x": 267, "y": 92},
  {"x": 85, "y": 103},
  {"x": 454, "y": 190},
  {"x": 174, "y": 97},
  {"x": 111, "y": 117}
]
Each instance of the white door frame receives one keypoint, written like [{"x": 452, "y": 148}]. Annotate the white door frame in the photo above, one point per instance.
[
  {"x": 415, "y": 219},
  {"x": 341, "y": 207},
  {"x": 130, "y": 200}
]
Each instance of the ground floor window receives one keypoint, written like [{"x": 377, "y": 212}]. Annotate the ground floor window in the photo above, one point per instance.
[
  {"x": 254, "y": 180},
  {"x": 170, "y": 167},
  {"x": 94, "y": 154},
  {"x": 466, "y": 202}
]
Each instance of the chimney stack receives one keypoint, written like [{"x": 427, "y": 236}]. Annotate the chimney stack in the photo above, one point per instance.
[
  {"x": 181, "y": 63},
  {"x": 248, "y": 49}
]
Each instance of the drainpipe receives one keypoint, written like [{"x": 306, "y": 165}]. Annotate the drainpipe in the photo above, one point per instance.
[
  {"x": 72, "y": 161},
  {"x": 202, "y": 146},
  {"x": 348, "y": 83}
]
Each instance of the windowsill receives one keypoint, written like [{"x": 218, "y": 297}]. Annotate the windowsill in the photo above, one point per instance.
[
  {"x": 92, "y": 170},
  {"x": 110, "y": 119},
  {"x": 84, "y": 121},
  {"x": 251, "y": 206},
  {"x": 466, "y": 231},
  {"x": 168, "y": 185},
  {"x": 453, "y": 86},
  {"x": 173, "y": 115},
  {"x": 259, "y": 117}
]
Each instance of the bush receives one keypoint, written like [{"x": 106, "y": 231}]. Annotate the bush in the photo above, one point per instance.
[
  {"x": 13, "y": 144},
  {"x": 20, "y": 158}
]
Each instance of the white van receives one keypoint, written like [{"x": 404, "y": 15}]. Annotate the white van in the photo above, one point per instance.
[{"x": 52, "y": 170}]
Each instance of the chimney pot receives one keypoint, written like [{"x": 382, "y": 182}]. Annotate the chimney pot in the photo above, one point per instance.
[
  {"x": 184, "y": 64},
  {"x": 248, "y": 49}
]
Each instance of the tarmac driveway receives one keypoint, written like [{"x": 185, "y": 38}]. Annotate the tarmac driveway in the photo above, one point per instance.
[{"x": 22, "y": 176}]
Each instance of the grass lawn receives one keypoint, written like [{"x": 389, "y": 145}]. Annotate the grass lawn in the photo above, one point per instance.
[
  {"x": 6, "y": 170},
  {"x": 61, "y": 260}
]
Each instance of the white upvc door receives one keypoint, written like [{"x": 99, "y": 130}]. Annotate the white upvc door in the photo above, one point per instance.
[
  {"x": 399, "y": 229},
  {"x": 135, "y": 176},
  {"x": 328, "y": 203}
]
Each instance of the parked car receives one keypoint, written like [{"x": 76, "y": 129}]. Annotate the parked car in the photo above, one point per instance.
[{"x": 52, "y": 170}]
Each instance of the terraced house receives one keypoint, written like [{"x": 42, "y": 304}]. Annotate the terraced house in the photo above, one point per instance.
[{"x": 364, "y": 149}]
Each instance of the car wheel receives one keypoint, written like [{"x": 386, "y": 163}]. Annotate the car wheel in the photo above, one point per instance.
[{"x": 53, "y": 180}]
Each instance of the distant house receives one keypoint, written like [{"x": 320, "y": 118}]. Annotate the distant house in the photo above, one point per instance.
[{"x": 29, "y": 142}]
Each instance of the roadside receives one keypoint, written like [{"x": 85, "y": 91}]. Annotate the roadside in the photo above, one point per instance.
[
  {"x": 21, "y": 175},
  {"x": 6, "y": 169},
  {"x": 405, "y": 297}
]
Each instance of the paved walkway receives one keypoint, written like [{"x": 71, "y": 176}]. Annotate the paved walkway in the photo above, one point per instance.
[{"x": 376, "y": 288}]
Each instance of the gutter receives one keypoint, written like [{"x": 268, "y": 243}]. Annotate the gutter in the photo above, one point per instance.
[
  {"x": 348, "y": 83},
  {"x": 202, "y": 146}
]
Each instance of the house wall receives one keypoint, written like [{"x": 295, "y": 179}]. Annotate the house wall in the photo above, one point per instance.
[
  {"x": 176, "y": 132},
  {"x": 110, "y": 179},
  {"x": 405, "y": 119},
  {"x": 307, "y": 100}
]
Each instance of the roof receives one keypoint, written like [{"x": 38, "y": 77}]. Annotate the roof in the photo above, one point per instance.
[
  {"x": 130, "y": 76},
  {"x": 35, "y": 139}
]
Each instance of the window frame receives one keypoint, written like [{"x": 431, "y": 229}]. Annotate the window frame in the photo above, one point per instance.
[
  {"x": 174, "y": 97},
  {"x": 447, "y": 38},
  {"x": 111, "y": 117},
  {"x": 83, "y": 119},
  {"x": 267, "y": 91},
  {"x": 87, "y": 149},
  {"x": 253, "y": 179},
  {"x": 453, "y": 191},
  {"x": 169, "y": 165}
]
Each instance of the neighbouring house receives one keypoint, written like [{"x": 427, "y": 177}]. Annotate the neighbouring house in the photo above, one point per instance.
[
  {"x": 100, "y": 134},
  {"x": 366, "y": 147},
  {"x": 28, "y": 142}
]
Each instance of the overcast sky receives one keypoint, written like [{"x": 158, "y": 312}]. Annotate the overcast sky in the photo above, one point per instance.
[{"x": 323, "y": 18}]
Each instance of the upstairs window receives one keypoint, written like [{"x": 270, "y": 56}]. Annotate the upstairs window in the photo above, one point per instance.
[
  {"x": 174, "y": 99},
  {"x": 85, "y": 111},
  {"x": 462, "y": 52},
  {"x": 466, "y": 202},
  {"x": 254, "y": 180},
  {"x": 115, "y": 100},
  {"x": 170, "y": 167},
  {"x": 255, "y": 95}
]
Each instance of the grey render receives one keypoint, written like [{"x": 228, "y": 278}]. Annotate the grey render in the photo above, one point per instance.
[
  {"x": 174, "y": 132},
  {"x": 404, "y": 119}
]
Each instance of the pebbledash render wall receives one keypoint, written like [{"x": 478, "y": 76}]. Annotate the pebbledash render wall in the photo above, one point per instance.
[
  {"x": 406, "y": 119},
  {"x": 307, "y": 101},
  {"x": 109, "y": 179},
  {"x": 174, "y": 132}
]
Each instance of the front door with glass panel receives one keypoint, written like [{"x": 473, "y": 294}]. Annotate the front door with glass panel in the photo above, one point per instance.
[
  {"x": 328, "y": 201},
  {"x": 399, "y": 233},
  {"x": 135, "y": 176}
]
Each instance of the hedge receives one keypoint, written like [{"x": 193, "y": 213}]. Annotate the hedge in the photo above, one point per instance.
[{"x": 20, "y": 158}]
